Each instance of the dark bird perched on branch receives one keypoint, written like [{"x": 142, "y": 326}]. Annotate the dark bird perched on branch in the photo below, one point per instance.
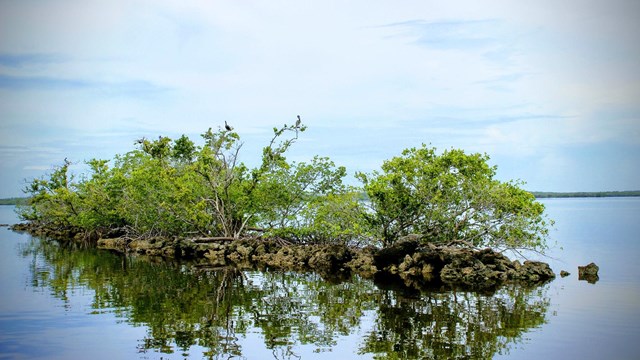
[
  {"x": 298, "y": 121},
  {"x": 226, "y": 126}
]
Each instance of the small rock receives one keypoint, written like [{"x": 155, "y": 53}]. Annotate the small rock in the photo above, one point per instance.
[
  {"x": 589, "y": 273},
  {"x": 564, "y": 273},
  {"x": 591, "y": 269}
]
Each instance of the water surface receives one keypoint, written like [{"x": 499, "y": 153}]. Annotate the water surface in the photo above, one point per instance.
[
  {"x": 59, "y": 302},
  {"x": 592, "y": 321}
]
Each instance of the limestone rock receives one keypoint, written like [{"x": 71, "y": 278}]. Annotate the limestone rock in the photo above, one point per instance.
[
  {"x": 330, "y": 258},
  {"x": 589, "y": 273},
  {"x": 395, "y": 253},
  {"x": 117, "y": 244},
  {"x": 363, "y": 263},
  {"x": 535, "y": 271}
]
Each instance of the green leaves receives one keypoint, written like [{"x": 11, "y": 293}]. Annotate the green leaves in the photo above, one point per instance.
[
  {"x": 452, "y": 197},
  {"x": 177, "y": 188},
  {"x": 292, "y": 197},
  {"x": 183, "y": 149}
]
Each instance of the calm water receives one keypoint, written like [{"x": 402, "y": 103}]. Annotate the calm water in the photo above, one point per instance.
[{"x": 82, "y": 303}]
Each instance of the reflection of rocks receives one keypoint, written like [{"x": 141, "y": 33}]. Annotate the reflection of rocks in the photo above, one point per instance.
[{"x": 589, "y": 273}]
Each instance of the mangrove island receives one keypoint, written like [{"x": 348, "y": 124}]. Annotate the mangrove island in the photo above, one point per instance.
[{"x": 432, "y": 219}]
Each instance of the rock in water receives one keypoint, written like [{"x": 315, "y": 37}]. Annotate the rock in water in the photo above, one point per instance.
[
  {"x": 564, "y": 273},
  {"x": 589, "y": 273},
  {"x": 535, "y": 271},
  {"x": 395, "y": 253}
]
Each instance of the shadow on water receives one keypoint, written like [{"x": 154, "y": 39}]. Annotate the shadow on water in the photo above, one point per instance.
[{"x": 187, "y": 309}]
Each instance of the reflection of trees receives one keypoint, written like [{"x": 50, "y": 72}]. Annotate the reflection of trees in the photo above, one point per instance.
[
  {"x": 215, "y": 309},
  {"x": 454, "y": 325},
  {"x": 180, "y": 307},
  {"x": 303, "y": 309}
]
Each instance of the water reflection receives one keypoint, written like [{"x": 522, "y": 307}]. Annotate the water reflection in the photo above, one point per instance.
[
  {"x": 188, "y": 308},
  {"x": 455, "y": 325}
]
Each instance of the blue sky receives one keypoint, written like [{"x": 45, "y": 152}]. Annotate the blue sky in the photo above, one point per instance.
[{"x": 549, "y": 89}]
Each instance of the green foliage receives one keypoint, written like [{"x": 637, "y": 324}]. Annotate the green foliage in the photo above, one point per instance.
[
  {"x": 171, "y": 187},
  {"x": 308, "y": 203},
  {"x": 176, "y": 188},
  {"x": 53, "y": 201},
  {"x": 183, "y": 149},
  {"x": 337, "y": 219},
  {"x": 100, "y": 198},
  {"x": 452, "y": 197}
]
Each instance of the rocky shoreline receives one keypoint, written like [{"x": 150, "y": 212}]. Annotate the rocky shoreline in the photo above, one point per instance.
[{"x": 414, "y": 264}]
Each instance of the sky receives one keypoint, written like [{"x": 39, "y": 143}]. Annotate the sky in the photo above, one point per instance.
[{"x": 550, "y": 90}]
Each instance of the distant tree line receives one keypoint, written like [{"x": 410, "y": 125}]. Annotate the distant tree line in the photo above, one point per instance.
[
  {"x": 544, "y": 194},
  {"x": 363, "y": 196},
  {"x": 176, "y": 188},
  {"x": 14, "y": 201}
]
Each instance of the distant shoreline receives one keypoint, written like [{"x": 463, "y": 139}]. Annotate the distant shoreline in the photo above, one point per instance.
[
  {"x": 537, "y": 194},
  {"x": 584, "y": 194},
  {"x": 14, "y": 201}
]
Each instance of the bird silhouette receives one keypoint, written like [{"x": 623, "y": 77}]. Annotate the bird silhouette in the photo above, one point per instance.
[
  {"x": 298, "y": 121},
  {"x": 227, "y": 126}
]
